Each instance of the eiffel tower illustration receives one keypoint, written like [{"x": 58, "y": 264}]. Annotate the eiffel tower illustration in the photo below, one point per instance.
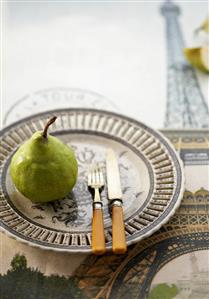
[{"x": 186, "y": 106}]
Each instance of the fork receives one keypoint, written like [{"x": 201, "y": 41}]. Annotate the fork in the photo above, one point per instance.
[{"x": 96, "y": 183}]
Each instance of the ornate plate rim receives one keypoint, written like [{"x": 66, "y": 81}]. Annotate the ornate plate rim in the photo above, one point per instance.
[{"x": 4, "y": 228}]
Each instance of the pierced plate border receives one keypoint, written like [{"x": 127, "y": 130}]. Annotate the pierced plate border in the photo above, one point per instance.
[{"x": 73, "y": 242}]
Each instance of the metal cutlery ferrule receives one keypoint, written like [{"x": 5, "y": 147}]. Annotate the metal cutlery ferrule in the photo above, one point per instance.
[
  {"x": 98, "y": 205},
  {"x": 117, "y": 202}
]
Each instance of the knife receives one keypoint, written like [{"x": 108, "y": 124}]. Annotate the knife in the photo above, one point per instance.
[{"x": 115, "y": 197}]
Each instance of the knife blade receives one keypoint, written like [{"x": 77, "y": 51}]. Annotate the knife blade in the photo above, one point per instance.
[
  {"x": 113, "y": 176},
  {"x": 115, "y": 197}
]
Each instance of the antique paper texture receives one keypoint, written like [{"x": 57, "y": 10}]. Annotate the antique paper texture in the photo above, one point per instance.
[{"x": 114, "y": 50}]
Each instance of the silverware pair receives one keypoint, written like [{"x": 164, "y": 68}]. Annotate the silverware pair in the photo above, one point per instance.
[{"x": 96, "y": 183}]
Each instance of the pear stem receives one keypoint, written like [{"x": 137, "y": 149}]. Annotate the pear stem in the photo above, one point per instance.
[{"x": 50, "y": 121}]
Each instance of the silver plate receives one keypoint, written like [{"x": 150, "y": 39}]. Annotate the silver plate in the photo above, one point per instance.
[{"x": 151, "y": 177}]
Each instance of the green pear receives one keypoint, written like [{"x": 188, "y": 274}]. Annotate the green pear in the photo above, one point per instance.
[{"x": 44, "y": 168}]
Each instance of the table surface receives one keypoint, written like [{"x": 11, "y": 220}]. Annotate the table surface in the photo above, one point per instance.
[{"x": 111, "y": 56}]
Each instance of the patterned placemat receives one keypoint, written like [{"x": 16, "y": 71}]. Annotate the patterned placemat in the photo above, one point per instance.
[{"x": 150, "y": 269}]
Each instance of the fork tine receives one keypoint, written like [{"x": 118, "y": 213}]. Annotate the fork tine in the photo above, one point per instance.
[
  {"x": 101, "y": 177},
  {"x": 94, "y": 175},
  {"x": 97, "y": 173}
]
